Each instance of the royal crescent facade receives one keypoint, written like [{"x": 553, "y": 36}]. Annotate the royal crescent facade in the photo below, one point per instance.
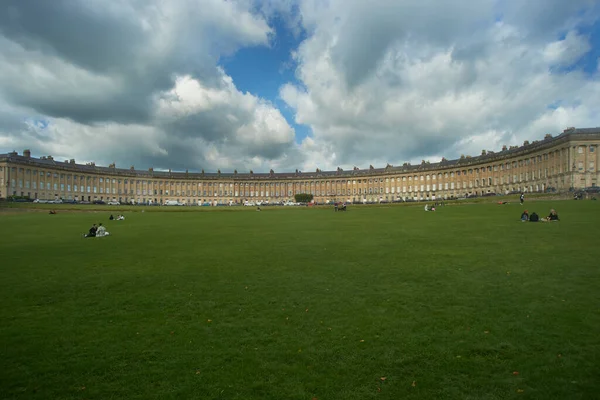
[{"x": 560, "y": 163}]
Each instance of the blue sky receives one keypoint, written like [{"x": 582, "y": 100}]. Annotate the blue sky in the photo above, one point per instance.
[
  {"x": 69, "y": 91},
  {"x": 589, "y": 62},
  {"x": 262, "y": 70}
]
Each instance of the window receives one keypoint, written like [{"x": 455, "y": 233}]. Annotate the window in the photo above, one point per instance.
[
  {"x": 592, "y": 149},
  {"x": 580, "y": 149}
]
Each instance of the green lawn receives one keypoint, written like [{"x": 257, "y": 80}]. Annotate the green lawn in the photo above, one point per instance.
[{"x": 301, "y": 303}]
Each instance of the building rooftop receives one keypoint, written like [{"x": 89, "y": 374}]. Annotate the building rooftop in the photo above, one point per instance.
[{"x": 70, "y": 165}]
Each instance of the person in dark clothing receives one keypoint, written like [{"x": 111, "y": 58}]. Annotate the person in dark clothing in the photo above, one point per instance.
[
  {"x": 534, "y": 217},
  {"x": 92, "y": 232},
  {"x": 553, "y": 216},
  {"x": 522, "y": 198},
  {"x": 111, "y": 217}
]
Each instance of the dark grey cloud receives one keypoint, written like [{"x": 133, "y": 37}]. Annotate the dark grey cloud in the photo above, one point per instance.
[
  {"x": 399, "y": 81},
  {"x": 93, "y": 38},
  {"x": 106, "y": 59},
  {"x": 72, "y": 38},
  {"x": 101, "y": 71}
]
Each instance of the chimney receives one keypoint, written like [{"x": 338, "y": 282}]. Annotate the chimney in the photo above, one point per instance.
[
  {"x": 27, "y": 153},
  {"x": 504, "y": 148}
]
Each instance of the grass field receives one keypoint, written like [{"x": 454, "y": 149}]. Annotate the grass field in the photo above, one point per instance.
[{"x": 301, "y": 303}]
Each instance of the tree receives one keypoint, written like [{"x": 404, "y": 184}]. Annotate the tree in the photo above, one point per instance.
[{"x": 303, "y": 197}]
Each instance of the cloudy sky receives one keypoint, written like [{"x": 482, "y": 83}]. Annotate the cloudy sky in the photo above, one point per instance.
[{"x": 286, "y": 84}]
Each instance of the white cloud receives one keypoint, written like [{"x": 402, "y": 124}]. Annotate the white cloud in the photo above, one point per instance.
[
  {"x": 247, "y": 133},
  {"x": 137, "y": 82},
  {"x": 395, "y": 83},
  {"x": 247, "y": 130},
  {"x": 400, "y": 81},
  {"x": 567, "y": 51}
]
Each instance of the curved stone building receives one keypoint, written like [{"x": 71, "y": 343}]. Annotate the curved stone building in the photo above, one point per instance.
[{"x": 567, "y": 161}]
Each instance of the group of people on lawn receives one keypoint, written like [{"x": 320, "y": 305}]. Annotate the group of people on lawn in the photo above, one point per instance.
[
  {"x": 552, "y": 217},
  {"x": 339, "y": 206},
  {"x": 96, "y": 231},
  {"x": 100, "y": 230}
]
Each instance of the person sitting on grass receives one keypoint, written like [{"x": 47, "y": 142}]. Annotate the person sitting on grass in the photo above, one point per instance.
[
  {"x": 92, "y": 232},
  {"x": 553, "y": 216},
  {"x": 111, "y": 217},
  {"x": 101, "y": 231},
  {"x": 525, "y": 216},
  {"x": 534, "y": 217}
]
